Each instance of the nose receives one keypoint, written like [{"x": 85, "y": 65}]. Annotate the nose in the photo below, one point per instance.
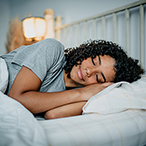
[{"x": 91, "y": 71}]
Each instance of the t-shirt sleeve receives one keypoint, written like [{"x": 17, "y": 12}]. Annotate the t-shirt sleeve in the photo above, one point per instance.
[{"x": 40, "y": 57}]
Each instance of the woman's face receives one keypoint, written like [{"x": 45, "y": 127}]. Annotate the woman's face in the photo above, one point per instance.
[{"x": 98, "y": 70}]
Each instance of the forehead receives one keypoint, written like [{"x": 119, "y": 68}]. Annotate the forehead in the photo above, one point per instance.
[{"x": 107, "y": 67}]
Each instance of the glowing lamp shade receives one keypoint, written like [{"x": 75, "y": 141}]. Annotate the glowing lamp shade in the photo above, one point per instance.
[{"x": 34, "y": 28}]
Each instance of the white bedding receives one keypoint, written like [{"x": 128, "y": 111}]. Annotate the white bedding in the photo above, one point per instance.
[
  {"x": 115, "y": 125},
  {"x": 3, "y": 75},
  {"x": 123, "y": 129},
  {"x": 18, "y": 127}
]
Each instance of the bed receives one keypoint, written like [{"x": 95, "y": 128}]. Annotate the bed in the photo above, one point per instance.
[{"x": 114, "y": 117}]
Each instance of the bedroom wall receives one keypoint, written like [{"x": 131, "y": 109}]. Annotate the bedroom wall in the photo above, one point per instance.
[
  {"x": 69, "y": 10},
  {"x": 4, "y": 23}
]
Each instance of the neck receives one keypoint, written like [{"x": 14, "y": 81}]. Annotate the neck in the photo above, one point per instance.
[{"x": 69, "y": 82}]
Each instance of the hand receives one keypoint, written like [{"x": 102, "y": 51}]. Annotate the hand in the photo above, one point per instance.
[{"x": 90, "y": 90}]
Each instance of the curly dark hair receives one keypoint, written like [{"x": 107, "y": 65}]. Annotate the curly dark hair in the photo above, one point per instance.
[{"x": 127, "y": 69}]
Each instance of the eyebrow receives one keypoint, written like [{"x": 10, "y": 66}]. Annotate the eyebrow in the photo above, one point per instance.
[{"x": 101, "y": 72}]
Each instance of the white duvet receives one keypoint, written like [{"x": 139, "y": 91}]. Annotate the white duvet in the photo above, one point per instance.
[{"x": 18, "y": 127}]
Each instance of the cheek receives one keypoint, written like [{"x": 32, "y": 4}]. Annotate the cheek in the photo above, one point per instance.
[
  {"x": 73, "y": 73},
  {"x": 91, "y": 80}
]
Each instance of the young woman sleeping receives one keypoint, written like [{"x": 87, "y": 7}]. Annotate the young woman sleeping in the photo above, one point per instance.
[{"x": 39, "y": 75}]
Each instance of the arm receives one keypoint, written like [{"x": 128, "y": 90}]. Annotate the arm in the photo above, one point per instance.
[
  {"x": 25, "y": 89},
  {"x": 73, "y": 109}
]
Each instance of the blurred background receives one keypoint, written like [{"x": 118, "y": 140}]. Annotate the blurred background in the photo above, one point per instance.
[{"x": 69, "y": 10}]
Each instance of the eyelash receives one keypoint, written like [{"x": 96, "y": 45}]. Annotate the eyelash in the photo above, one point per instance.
[{"x": 97, "y": 78}]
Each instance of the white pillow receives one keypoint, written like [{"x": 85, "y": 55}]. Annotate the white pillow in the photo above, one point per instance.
[
  {"x": 3, "y": 75},
  {"x": 118, "y": 97}
]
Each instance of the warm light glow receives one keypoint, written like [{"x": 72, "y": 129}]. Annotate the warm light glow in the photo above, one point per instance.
[{"x": 34, "y": 28}]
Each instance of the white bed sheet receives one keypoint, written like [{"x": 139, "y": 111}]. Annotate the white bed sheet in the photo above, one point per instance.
[{"x": 123, "y": 129}]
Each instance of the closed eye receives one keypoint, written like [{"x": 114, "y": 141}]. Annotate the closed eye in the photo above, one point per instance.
[
  {"x": 101, "y": 73},
  {"x": 96, "y": 74}
]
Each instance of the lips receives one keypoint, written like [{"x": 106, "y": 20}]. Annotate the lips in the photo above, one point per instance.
[{"x": 80, "y": 74}]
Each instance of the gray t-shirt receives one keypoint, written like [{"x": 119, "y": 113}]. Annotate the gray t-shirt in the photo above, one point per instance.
[{"x": 45, "y": 58}]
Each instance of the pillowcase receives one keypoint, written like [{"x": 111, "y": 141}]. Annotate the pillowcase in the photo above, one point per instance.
[
  {"x": 118, "y": 97},
  {"x": 3, "y": 75}
]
